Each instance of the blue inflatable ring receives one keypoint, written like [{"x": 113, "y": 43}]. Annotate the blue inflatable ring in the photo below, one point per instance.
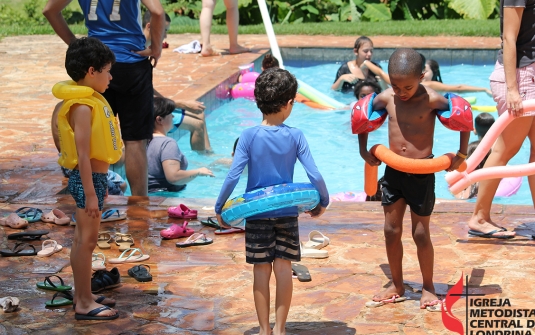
[{"x": 302, "y": 195}]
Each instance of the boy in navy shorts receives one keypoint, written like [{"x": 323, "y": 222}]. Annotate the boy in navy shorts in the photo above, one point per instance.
[{"x": 270, "y": 150}]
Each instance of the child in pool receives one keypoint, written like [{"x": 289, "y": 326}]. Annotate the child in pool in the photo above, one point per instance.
[
  {"x": 482, "y": 124},
  {"x": 411, "y": 124},
  {"x": 364, "y": 87}
]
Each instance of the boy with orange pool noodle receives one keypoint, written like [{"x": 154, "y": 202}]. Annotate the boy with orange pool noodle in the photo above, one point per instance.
[{"x": 411, "y": 123}]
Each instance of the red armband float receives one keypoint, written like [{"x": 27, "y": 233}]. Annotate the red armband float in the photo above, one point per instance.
[
  {"x": 459, "y": 115},
  {"x": 363, "y": 118}
]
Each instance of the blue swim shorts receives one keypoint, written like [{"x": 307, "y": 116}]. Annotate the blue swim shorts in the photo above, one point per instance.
[{"x": 100, "y": 182}]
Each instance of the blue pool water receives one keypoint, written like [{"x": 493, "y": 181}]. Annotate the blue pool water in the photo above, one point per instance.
[{"x": 334, "y": 148}]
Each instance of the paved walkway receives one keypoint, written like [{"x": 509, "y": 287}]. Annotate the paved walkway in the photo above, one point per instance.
[{"x": 207, "y": 290}]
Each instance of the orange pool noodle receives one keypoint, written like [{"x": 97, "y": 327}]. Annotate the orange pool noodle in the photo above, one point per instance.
[
  {"x": 404, "y": 164},
  {"x": 370, "y": 179}
]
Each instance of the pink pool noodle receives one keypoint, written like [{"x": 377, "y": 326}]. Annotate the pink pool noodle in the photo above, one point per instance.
[{"x": 495, "y": 172}]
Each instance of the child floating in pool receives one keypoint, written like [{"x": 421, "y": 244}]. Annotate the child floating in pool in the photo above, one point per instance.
[
  {"x": 364, "y": 87},
  {"x": 482, "y": 124},
  {"x": 411, "y": 125},
  {"x": 270, "y": 150}
]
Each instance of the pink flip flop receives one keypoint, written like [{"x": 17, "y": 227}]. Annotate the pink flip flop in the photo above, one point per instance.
[
  {"x": 182, "y": 212},
  {"x": 176, "y": 231},
  {"x": 231, "y": 230}
]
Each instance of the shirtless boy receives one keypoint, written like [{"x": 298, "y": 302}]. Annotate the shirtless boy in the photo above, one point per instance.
[{"x": 411, "y": 124}]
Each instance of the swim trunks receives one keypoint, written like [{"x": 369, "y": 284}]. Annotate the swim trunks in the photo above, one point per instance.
[{"x": 76, "y": 189}]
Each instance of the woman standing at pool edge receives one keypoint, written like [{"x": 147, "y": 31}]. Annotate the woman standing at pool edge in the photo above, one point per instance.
[
  {"x": 512, "y": 81},
  {"x": 351, "y": 72}
]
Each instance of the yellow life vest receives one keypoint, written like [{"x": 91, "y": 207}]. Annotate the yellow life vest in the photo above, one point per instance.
[{"x": 106, "y": 144}]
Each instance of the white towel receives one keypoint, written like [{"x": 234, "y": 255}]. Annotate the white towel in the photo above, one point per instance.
[{"x": 193, "y": 47}]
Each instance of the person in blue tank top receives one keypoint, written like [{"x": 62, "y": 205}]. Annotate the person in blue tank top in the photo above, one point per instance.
[
  {"x": 118, "y": 25},
  {"x": 270, "y": 151}
]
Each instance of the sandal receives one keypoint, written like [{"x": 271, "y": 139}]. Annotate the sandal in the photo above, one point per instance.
[
  {"x": 176, "y": 231},
  {"x": 98, "y": 262},
  {"x": 30, "y": 214},
  {"x": 195, "y": 239},
  {"x": 56, "y": 216},
  {"x": 28, "y": 235},
  {"x": 112, "y": 215},
  {"x": 141, "y": 273},
  {"x": 136, "y": 255},
  {"x": 124, "y": 241},
  {"x": 49, "y": 247},
  {"x": 14, "y": 221},
  {"x": 64, "y": 298},
  {"x": 182, "y": 212},
  {"x": 211, "y": 222},
  {"x": 47, "y": 284},
  {"x": 19, "y": 249},
  {"x": 93, "y": 314},
  {"x": 301, "y": 272},
  {"x": 103, "y": 240}
]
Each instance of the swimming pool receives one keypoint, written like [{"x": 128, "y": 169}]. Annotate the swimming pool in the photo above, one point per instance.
[{"x": 334, "y": 148}]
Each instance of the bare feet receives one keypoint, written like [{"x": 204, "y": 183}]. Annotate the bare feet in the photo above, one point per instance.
[
  {"x": 208, "y": 51},
  {"x": 106, "y": 301},
  {"x": 390, "y": 292},
  {"x": 428, "y": 299},
  {"x": 479, "y": 224},
  {"x": 238, "y": 49}
]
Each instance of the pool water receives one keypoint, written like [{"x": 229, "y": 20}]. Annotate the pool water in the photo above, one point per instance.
[{"x": 333, "y": 146}]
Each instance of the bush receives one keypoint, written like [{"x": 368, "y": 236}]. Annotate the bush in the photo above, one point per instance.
[{"x": 32, "y": 14}]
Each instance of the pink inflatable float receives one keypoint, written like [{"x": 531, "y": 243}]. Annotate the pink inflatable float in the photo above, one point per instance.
[
  {"x": 242, "y": 90},
  {"x": 458, "y": 181},
  {"x": 349, "y": 196}
]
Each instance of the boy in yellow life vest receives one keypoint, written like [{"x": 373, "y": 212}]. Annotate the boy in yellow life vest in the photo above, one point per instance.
[{"x": 90, "y": 141}]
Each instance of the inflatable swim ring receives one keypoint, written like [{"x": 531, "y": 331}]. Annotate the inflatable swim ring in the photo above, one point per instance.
[
  {"x": 403, "y": 164},
  {"x": 316, "y": 96},
  {"x": 349, "y": 196},
  {"x": 243, "y": 90},
  {"x": 509, "y": 186},
  {"x": 249, "y": 77},
  {"x": 459, "y": 181},
  {"x": 363, "y": 118},
  {"x": 302, "y": 195},
  {"x": 459, "y": 115}
]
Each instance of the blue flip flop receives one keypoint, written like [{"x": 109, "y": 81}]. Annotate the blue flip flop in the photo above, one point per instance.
[
  {"x": 30, "y": 214},
  {"x": 112, "y": 214}
]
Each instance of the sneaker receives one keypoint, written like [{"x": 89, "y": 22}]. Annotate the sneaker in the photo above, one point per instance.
[{"x": 104, "y": 279}]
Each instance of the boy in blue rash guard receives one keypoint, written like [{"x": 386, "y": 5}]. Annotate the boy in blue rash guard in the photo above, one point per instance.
[{"x": 270, "y": 151}]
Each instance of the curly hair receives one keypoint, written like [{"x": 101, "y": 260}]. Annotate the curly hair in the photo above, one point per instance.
[
  {"x": 273, "y": 89},
  {"x": 84, "y": 53},
  {"x": 362, "y": 83}
]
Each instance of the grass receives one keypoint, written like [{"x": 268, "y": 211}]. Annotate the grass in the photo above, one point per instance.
[{"x": 490, "y": 28}]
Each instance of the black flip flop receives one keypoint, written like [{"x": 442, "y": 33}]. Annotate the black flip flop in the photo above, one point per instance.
[
  {"x": 99, "y": 300},
  {"x": 211, "y": 222},
  {"x": 301, "y": 272},
  {"x": 61, "y": 298},
  {"x": 140, "y": 273},
  {"x": 19, "y": 249},
  {"x": 92, "y": 315},
  {"x": 28, "y": 235},
  {"x": 490, "y": 234}
]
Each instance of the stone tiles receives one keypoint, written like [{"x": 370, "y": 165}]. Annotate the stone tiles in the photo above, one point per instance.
[{"x": 208, "y": 289}]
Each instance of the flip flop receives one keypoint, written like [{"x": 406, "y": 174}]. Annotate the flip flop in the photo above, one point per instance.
[
  {"x": 103, "y": 241},
  {"x": 112, "y": 215},
  {"x": 195, "y": 239},
  {"x": 316, "y": 240},
  {"x": 47, "y": 284},
  {"x": 56, "y": 216},
  {"x": 99, "y": 300},
  {"x": 19, "y": 249},
  {"x": 73, "y": 220},
  {"x": 9, "y": 304},
  {"x": 231, "y": 230},
  {"x": 136, "y": 255},
  {"x": 490, "y": 234},
  {"x": 28, "y": 235},
  {"x": 301, "y": 272},
  {"x": 140, "y": 273},
  {"x": 49, "y": 247},
  {"x": 182, "y": 212},
  {"x": 211, "y": 222},
  {"x": 13, "y": 221},
  {"x": 394, "y": 299},
  {"x": 312, "y": 253},
  {"x": 434, "y": 306},
  {"x": 98, "y": 262},
  {"x": 30, "y": 214},
  {"x": 176, "y": 231},
  {"x": 92, "y": 315},
  {"x": 124, "y": 241},
  {"x": 63, "y": 298}
]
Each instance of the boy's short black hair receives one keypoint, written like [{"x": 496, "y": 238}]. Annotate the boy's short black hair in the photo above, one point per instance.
[
  {"x": 163, "y": 107},
  {"x": 482, "y": 123},
  {"x": 269, "y": 61},
  {"x": 84, "y": 53},
  {"x": 146, "y": 19},
  {"x": 362, "y": 83},
  {"x": 405, "y": 62},
  {"x": 273, "y": 89}
]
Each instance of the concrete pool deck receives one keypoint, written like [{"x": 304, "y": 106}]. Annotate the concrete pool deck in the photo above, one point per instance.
[{"x": 208, "y": 289}]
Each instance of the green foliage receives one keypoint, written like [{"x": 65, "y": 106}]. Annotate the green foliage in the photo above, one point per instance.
[
  {"x": 473, "y": 9},
  {"x": 31, "y": 14}
]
